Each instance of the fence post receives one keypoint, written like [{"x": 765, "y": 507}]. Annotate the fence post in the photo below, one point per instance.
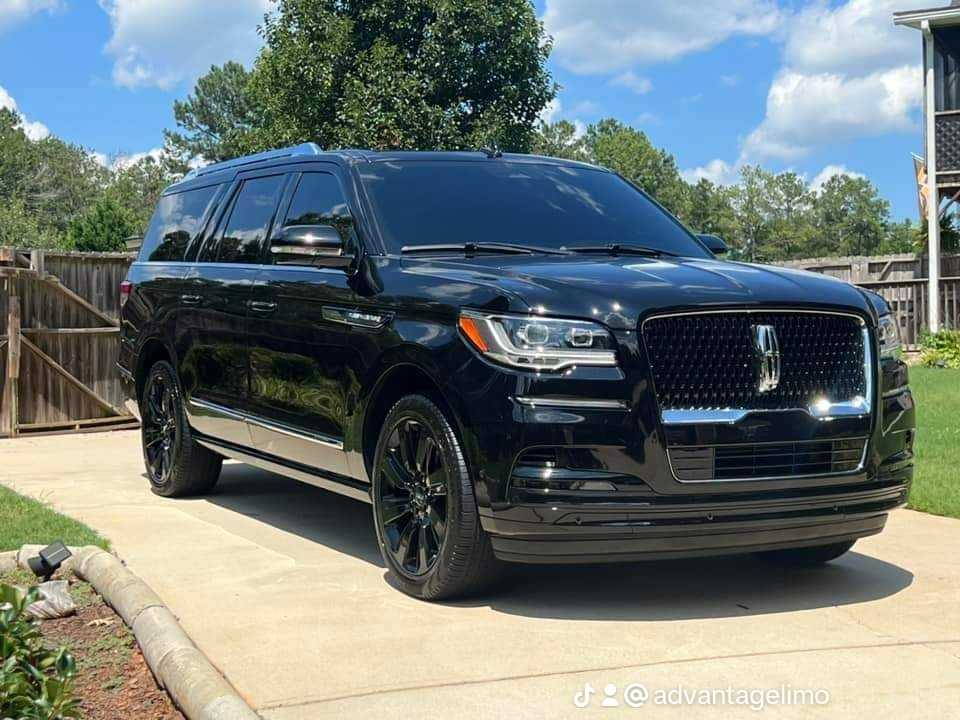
[
  {"x": 37, "y": 262},
  {"x": 11, "y": 389}
]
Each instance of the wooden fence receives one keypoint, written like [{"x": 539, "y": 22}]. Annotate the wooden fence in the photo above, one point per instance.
[
  {"x": 59, "y": 335},
  {"x": 902, "y": 281}
]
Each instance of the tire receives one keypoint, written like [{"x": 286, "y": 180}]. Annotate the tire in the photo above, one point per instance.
[
  {"x": 808, "y": 556},
  {"x": 177, "y": 465},
  {"x": 424, "y": 508}
]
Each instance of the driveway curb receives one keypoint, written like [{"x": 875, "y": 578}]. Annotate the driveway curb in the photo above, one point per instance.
[{"x": 196, "y": 686}]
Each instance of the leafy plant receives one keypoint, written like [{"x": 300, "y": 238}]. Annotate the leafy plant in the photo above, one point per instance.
[
  {"x": 35, "y": 681},
  {"x": 941, "y": 349}
]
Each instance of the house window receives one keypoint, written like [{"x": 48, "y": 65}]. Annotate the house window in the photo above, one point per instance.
[{"x": 947, "y": 59}]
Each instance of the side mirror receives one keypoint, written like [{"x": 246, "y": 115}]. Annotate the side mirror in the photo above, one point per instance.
[
  {"x": 312, "y": 245},
  {"x": 714, "y": 243}
]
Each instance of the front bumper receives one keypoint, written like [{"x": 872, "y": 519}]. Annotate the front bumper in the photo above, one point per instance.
[
  {"x": 708, "y": 526},
  {"x": 646, "y": 512}
]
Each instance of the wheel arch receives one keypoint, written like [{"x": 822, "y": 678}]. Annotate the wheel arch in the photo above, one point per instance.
[
  {"x": 151, "y": 352},
  {"x": 402, "y": 378}
]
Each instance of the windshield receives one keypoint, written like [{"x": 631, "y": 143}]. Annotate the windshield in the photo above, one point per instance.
[{"x": 553, "y": 206}]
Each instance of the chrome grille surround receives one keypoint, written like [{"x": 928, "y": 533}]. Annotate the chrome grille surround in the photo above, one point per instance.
[{"x": 702, "y": 363}]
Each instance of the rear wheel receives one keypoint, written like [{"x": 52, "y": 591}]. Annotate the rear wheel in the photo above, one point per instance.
[
  {"x": 424, "y": 508},
  {"x": 176, "y": 464},
  {"x": 808, "y": 556}
]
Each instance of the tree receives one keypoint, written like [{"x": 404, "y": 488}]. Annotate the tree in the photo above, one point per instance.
[
  {"x": 137, "y": 186},
  {"x": 751, "y": 206},
  {"x": 103, "y": 227},
  {"x": 710, "y": 210},
  {"x": 629, "y": 152},
  {"x": 560, "y": 140},
  {"x": 217, "y": 118},
  {"x": 851, "y": 217},
  {"x": 421, "y": 74}
]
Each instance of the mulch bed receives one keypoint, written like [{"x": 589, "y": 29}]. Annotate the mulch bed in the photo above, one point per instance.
[{"x": 113, "y": 680}]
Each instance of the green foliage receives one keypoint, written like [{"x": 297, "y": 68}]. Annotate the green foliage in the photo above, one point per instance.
[
  {"x": 941, "y": 349},
  {"x": 421, "y": 74},
  {"x": 629, "y": 152},
  {"x": 103, "y": 227},
  {"x": 35, "y": 682},
  {"x": 560, "y": 140},
  {"x": 218, "y": 117}
]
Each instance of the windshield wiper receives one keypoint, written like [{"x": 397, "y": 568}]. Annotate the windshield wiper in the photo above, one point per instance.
[
  {"x": 616, "y": 249},
  {"x": 485, "y": 247}
]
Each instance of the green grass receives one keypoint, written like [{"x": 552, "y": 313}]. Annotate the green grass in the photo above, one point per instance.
[
  {"x": 936, "y": 486},
  {"x": 25, "y": 521}
]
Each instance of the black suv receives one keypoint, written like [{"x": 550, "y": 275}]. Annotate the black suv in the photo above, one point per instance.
[{"x": 513, "y": 358}]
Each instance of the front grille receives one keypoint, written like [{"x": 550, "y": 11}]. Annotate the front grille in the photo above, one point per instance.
[
  {"x": 708, "y": 361},
  {"x": 746, "y": 462}
]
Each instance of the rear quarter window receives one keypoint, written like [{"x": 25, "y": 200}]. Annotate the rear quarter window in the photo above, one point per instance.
[{"x": 176, "y": 221}]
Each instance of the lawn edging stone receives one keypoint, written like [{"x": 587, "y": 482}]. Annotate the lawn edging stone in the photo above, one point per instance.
[
  {"x": 195, "y": 686},
  {"x": 8, "y": 561}
]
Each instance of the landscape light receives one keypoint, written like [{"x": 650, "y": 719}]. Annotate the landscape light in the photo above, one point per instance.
[{"x": 49, "y": 560}]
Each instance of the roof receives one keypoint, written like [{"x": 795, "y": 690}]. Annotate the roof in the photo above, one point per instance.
[
  {"x": 308, "y": 152},
  {"x": 944, "y": 15}
]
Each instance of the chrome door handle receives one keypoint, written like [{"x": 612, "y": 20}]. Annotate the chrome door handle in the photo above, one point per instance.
[
  {"x": 190, "y": 299},
  {"x": 261, "y": 306}
]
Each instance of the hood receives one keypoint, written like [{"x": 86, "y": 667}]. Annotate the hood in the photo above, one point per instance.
[{"x": 620, "y": 291}]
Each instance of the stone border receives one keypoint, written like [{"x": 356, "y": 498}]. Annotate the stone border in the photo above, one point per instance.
[{"x": 196, "y": 687}]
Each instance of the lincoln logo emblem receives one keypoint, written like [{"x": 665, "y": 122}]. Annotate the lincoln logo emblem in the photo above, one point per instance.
[{"x": 768, "y": 357}]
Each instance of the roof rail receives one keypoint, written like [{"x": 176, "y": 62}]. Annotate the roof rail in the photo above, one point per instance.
[{"x": 307, "y": 148}]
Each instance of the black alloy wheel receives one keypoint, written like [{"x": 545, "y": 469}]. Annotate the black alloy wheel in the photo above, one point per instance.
[
  {"x": 413, "y": 497},
  {"x": 161, "y": 432},
  {"x": 177, "y": 465}
]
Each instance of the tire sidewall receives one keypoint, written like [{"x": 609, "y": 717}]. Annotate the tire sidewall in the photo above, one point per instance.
[{"x": 422, "y": 410}]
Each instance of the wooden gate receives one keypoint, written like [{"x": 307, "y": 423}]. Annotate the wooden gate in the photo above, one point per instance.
[{"x": 58, "y": 342}]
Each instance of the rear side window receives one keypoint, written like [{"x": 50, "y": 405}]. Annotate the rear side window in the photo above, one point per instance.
[
  {"x": 318, "y": 200},
  {"x": 250, "y": 219},
  {"x": 176, "y": 221}
]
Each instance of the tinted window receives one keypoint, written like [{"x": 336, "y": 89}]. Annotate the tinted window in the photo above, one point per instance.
[
  {"x": 427, "y": 203},
  {"x": 318, "y": 200},
  {"x": 175, "y": 223},
  {"x": 250, "y": 219}
]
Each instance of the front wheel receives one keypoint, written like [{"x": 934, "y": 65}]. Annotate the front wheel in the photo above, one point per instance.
[{"x": 425, "y": 513}]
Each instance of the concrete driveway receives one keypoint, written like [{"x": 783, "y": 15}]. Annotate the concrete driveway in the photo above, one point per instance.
[{"x": 281, "y": 585}]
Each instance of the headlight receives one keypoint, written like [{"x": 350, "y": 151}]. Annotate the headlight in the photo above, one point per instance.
[
  {"x": 888, "y": 332},
  {"x": 537, "y": 343}
]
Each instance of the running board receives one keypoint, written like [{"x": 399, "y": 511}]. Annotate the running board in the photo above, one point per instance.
[{"x": 334, "y": 483}]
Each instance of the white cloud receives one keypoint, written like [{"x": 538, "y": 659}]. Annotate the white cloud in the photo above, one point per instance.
[
  {"x": 848, "y": 72},
  {"x": 552, "y": 111},
  {"x": 33, "y": 129},
  {"x": 164, "y": 42},
  {"x": 606, "y": 36},
  {"x": 804, "y": 111},
  {"x": 831, "y": 171},
  {"x": 123, "y": 160},
  {"x": 632, "y": 81},
  {"x": 14, "y": 11},
  {"x": 716, "y": 171}
]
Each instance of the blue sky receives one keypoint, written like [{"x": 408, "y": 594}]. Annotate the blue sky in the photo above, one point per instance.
[{"x": 806, "y": 85}]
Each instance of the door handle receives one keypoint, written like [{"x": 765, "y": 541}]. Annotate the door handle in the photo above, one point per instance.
[
  {"x": 190, "y": 299},
  {"x": 262, "y": 307}
]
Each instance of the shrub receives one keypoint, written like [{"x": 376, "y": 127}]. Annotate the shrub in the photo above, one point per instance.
[
  {"x": 941, "y": 349},
  {"x": 35, "y": 681}
]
